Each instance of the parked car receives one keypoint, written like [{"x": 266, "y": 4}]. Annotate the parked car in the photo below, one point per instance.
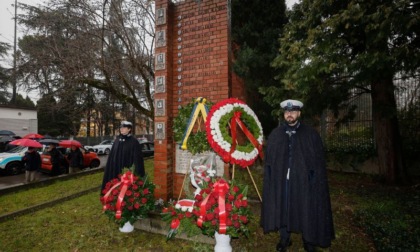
[
  {"x": 90, "y": 159},
  {"x": 89, "y": 148},
  {"x": 103, "y": 147},
  {"x": 11, "y": 160},
  {"x": 148, "y": 149},
  {"x": 142, "y": 139}
]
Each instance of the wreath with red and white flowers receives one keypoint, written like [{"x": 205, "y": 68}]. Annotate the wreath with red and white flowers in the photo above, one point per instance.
[{"x": 221, "y": 132}]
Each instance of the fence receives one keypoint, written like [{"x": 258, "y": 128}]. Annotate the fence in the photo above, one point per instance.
[{"x": 358, "y": 132}]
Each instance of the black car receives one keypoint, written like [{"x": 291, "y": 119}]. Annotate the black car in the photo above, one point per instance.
[{"x": 148, "y": 149}]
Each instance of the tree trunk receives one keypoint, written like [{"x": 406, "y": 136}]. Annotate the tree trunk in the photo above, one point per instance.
[{"x": 387, "y": 135}]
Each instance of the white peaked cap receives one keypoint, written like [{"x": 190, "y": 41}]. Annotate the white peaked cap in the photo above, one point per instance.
[
  {"x": 291, "y": 105},
  {"x": 126, "y": 124}
]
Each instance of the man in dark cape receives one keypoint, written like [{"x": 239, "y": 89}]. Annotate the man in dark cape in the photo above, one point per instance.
[
  {"x": 125, "y": 152},
  {"x": 295, "y": 192}
]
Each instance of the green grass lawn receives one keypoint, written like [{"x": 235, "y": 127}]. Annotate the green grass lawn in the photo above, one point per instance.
[{"x": 80, "y": 225}]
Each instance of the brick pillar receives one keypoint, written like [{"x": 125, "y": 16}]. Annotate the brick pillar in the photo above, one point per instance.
[{"x": 193, "y": 57}]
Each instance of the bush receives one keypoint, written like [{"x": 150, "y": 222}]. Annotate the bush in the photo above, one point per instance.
[
  {"x": 355, "y": 143},
  {"x": 392, "y": 224}
]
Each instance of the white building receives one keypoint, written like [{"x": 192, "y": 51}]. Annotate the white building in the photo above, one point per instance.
[{"x": 19, "y": 120}]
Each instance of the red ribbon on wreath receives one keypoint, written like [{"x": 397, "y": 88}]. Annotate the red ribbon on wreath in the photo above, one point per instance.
[
  {"x": 221, "y": 188},
  {"x": 236, "y": 119},
  {"x": 127, "y": 179}
]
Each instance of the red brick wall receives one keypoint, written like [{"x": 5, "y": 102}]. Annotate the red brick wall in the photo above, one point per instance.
[{"x": 197, "y": 64}]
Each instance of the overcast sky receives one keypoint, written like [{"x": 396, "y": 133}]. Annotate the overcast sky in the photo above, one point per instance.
[{"x": 7, "y": 13}]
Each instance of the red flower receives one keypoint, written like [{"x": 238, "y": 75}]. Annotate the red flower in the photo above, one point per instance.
[
  {"x": 143, "y": 200},
  {"x": 175, "y": 223},
  {"x": 136, "y": 205},
  {"x": 228, "y": 207},
  {"x": 210, "y": 216},
  {"x": 146, "y": 191},
  {"x": 198, "y": 198},
  {"x": 231, "y": 197},
  {"x": 243, "y": 219},
  {"x": 236, "y": 224},
  {"x": 245, "y": 203},
  {"x": 236, "y": 189}
]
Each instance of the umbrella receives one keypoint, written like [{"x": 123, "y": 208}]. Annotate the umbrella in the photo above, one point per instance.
[
  {"x": 70, "y": 143},
  {"x": 27, "y": 143},
  {"x": 7, "y": 132},
  {"x": 33, "y": 136},
  {"x": 6, "y": 139},
  {"x": 49, "y": 141}
]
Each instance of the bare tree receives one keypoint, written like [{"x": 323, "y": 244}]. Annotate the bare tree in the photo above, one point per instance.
[{"x": 107, "y": 45}]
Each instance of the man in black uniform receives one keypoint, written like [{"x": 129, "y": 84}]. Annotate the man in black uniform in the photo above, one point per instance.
[
  {"x": 295, "y": 193},
  {"x": 125, "y": 153}
]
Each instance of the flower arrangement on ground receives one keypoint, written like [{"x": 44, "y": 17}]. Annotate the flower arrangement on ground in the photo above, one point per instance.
[
  {"x": 128, "y": 198},
  {"x": 219, "y": 207}
]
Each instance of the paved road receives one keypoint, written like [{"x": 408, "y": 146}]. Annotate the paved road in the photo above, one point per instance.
[{"x": 7, "y": 181}]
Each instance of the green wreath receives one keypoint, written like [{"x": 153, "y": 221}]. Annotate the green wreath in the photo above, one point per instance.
[{"x": 197, "y": 141}]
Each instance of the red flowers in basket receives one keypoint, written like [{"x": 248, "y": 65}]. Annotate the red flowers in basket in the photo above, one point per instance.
[
  {"x": 219, "y": 207},
  {"x": 128, "y": 198}
]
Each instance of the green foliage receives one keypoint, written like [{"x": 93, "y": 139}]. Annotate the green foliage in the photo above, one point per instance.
[
  {"x": 24, "y": 102},
  {"x": 197, "y": 140},
  {"x": 250, "y": 123},
  {"x": 329, "y": 48},
  {"x": 357, "y": 143},
  {"x": 255, "y": 31},
  {"x": 409, "y": 123},
  {"x": 392, "y": 223}
]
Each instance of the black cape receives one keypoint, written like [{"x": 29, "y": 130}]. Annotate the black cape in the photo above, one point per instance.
[
  {"x": 125, "y": 152},
  {"x": 309, "y": 211}
]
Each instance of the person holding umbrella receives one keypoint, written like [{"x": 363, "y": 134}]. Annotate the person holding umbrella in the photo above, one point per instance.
[{"x": 32, "y": 159}]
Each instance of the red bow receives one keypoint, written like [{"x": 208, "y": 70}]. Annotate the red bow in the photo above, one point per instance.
[
  {"x": 221, "y": 188},
  {"x": 126, "y": 180},
  {"x": 236, "y": 120}
]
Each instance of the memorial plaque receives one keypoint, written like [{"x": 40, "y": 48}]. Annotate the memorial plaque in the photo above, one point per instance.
[
  {"x": 183, "y": 160},
  {"x": 160, "y": 61},
  {"x": 161, "y": 16},
  {"x": 160, "y": 130},
  {"x": 161, "y": 38},
  {"x": 160, "y": 86},
  {"x": 160, "y": 107}
]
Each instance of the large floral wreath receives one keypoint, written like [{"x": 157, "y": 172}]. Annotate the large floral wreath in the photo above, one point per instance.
[{"x": 225, "y": 115}]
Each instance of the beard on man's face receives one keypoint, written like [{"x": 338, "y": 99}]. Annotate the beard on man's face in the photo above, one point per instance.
[{"x": 291, "y": 120}]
